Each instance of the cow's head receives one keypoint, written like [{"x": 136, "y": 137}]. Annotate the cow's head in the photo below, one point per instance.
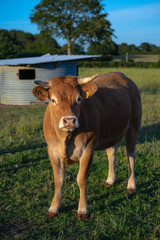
[{"x": 66, "y": 95}]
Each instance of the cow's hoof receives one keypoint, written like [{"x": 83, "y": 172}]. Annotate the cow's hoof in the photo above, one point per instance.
[
  {"x": 130, "y": 191},
  {"x": 51, "y": 215},
  {"x": 108, "y": 185},
  {"x": 81, "y": 216}
]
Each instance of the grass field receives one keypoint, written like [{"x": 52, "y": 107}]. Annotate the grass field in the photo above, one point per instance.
[
  {"x": 145, "y": 58},
  {"x": 148, "y": 80},
  {"x": 27, "y": 181},
  {"x": 140, "y": 58}
]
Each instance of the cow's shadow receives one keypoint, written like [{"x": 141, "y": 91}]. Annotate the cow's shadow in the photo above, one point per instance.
[
  {"x": 30, "y": 145},
  {"x": 10, "y": 166},
  {"x": 149, "y": 133}
]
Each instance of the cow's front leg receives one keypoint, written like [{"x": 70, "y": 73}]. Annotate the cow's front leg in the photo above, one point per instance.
[
  {"x": 82, "y": 178},
  {"x": 58, "y": 170}
]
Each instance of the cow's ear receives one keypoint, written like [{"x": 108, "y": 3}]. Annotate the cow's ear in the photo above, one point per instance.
[
  {"x": 88, "y": 90},
  {"x": 41, "y": 93}
]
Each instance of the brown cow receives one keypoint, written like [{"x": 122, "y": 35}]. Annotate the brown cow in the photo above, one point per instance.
[{"x": 84, "y": 115}]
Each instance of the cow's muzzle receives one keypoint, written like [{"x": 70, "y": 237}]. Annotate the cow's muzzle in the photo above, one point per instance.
[{"x": 68, "y": 123}]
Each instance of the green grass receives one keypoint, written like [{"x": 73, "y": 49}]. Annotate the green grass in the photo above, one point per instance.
[
  {"x": 27, "y": 180},
  {"x": 146, "y": 79},
  {"x": 145, "y": 58},
  {"x": 140, "y": 58}
]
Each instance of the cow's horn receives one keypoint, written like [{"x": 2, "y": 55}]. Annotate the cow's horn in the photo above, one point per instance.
[
  {"x": 43, "y": 83},
  {"x": 87, "y": 79}
]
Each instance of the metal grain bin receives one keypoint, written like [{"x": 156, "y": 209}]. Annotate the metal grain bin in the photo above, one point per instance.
[{"x": 13, "y": 90}]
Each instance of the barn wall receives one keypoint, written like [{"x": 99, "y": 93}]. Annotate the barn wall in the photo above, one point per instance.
[
  {"x": 19, "y": 92},
  {"x": 48, "y": 71},
  {"x": 13, "y": 90}
]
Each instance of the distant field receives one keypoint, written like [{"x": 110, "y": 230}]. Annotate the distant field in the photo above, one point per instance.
[
  {"x": 27, "y": 180},
  {"x": 140, "y": 58},
  {"x": 146, "y": 79}
]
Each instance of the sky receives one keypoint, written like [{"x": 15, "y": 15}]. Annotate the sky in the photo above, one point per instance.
[{"x": 133, "y": 22}]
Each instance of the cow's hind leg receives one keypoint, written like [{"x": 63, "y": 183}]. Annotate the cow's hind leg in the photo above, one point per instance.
[
  {"x": 111, "y": 153},
  {"x": 131, "y": 140}
]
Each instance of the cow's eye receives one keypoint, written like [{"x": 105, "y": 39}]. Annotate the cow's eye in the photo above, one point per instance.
[
  {"x": 53, "y": 101},
  {"x": 79, "y": 99}
]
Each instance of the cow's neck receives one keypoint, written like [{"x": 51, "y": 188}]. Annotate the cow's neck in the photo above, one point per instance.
[{"x": 61, "y": 138}]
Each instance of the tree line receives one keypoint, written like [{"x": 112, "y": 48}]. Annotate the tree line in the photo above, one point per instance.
[
  {"x": 15, "y": 44},
  {"x": 82, "y": 24}
]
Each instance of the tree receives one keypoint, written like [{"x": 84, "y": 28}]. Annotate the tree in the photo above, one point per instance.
[
  {"x": 105, "y": 48},
  {"x": 76, "y": 49},
  {"x": 44, "y": 43},
  {"x": 145, "y": 47},
  {"x": 76, "y": 21},
  {"x": 154, "y": 49},
  {"x": 15, "y": 44},
  {"x": 123, "y": 48},
  {"x": 5, "y": 47},
  {"x": 132, "y": 49}
]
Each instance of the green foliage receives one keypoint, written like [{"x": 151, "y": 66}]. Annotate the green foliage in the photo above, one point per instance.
[
  {"x": 103, "y": 48},
  {"x": 27, "y": 179},
  {"x": 44, "y": 43},
  {"x": 74, "y": 21},
  {"x": 143, "y": 48},
  {"x": 75, "y": 49},
  {"x": 15, "y": 44}
]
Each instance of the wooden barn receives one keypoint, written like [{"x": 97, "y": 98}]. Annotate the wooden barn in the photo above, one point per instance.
[{"x": 17, "y": 75}]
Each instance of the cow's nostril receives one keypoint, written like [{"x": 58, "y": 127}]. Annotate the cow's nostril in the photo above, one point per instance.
[
  {"x": 64, "y": 120},
  {"x": 74, "y": 120}
]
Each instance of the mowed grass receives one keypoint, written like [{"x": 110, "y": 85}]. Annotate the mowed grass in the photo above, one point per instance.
[
  {"x": 145, "y": 58},
  {"x": 27, "y": 185},
  {"x": 140, "y": 58},
  {"x": 147, "y": 79}
]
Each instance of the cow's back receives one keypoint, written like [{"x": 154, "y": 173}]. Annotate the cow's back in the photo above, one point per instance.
[
  {"x": 118, "y": 88},
  {"x": 111, "y": 109}
]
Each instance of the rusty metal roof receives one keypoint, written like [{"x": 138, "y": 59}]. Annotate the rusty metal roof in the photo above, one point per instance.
[{"x": 47, "y": 58}]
